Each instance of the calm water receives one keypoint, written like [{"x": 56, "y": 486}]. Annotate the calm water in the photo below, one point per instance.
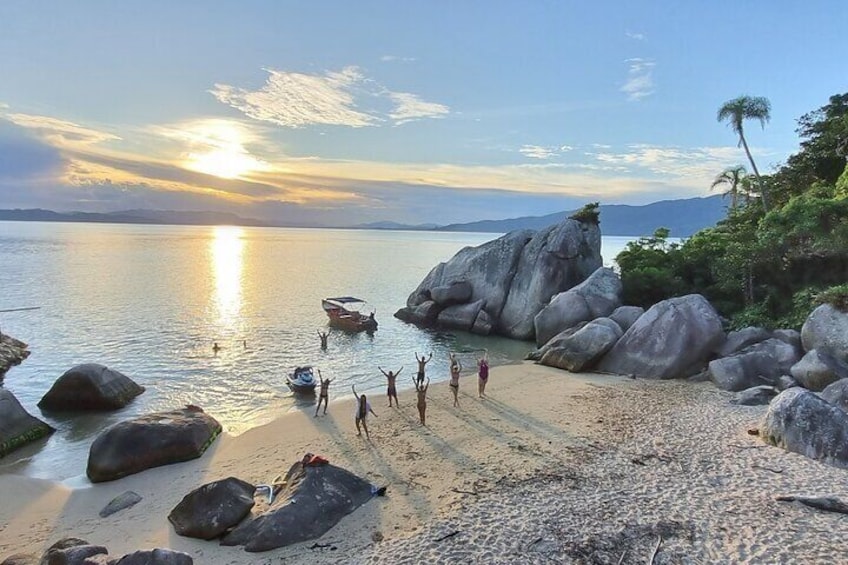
[{"x": 150, "y": 301}]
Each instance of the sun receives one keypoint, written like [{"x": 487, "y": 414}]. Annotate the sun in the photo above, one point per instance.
[{"x": 218, "y": 149}]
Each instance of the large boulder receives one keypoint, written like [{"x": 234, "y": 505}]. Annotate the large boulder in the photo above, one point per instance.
[
  {"x": 457, "y": 292},
  {"x": 792, "y": 337},
  {"x": 90, "y": 387},
  {"x": 817, "y": 369},
  {"x": 71, "y": 551},
  {"x": 826, "y": 329},
  {"x": 837, "y": 394},
  {"x": 314, "y": 499},
  {"x": 151, "y": 441},
  {"x": 673, "y": 339},
  {"x": 799, "y": 421},
  {"x": 17, "y": 426},
  {"x": 758, "y": 364},
  {"x": 740, "y": 339},
  {"x": 461, "y": 316},
  {"x": 12, "y": 352},
  {"x": 158, "y": 556},
  {"x": 514, "y": 276},
  {"x": 626, "y": 316},
  {"x": 597, "y": 296},
  {"x": 212, "y": 509},
  {"x": 582, "y": 349},
  {"x": 557, "y": 259}
]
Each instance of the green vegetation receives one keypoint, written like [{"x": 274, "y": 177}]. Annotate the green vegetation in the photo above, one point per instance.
[
  {"x": 766, "y": 265},
  {"x": 588, "y": 214}
]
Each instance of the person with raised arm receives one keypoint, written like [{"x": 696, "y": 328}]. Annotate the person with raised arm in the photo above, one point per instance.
[
  {"x": 323, "y": 396},
  {"x": 482, "y": 373},
  {"x": 421, "y": 389},
  {"x": 391, "y": 390},
  {"x": 323, "y": 336},
  {"x": 421, "y": 363},
  {"x": 455, "y": 370},
  {"x": 363, "y": 407}
]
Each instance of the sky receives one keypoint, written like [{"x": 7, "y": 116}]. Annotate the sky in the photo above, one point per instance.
[{"x": 342, "y": 113}]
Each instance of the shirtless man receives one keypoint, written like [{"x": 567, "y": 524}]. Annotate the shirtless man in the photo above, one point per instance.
[
  {"x": 391, "y": 391},
  {"x": 323, "y": 396},
  {"x": 422, "y": 400},
  {"x": 323, "y": 337},
  {"x": 419, "y": 380}
]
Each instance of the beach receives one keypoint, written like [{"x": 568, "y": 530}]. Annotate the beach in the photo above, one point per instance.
[{"x": 551, "y": 467}]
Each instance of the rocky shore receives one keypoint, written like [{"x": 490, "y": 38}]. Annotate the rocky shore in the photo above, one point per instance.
[{"x": 12, "y": 352}]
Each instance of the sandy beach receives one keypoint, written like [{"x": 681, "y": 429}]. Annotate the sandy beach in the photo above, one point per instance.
[{"x": 552, "y": 467}]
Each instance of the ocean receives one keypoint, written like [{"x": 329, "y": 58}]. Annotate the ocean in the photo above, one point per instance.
[{"x": 150, "y": 301}]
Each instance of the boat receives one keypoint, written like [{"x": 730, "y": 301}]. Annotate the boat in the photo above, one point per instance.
[
  {"x": 302, "y": 380},
  {"x": 344, "y": 313}
]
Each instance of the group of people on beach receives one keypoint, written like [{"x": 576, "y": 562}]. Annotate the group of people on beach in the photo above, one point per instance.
[{"x": 420, "y": 382}]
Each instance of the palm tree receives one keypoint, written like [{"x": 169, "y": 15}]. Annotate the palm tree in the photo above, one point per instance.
[
  {"x": 737, "y": 111},
  {"x": 733, "y": 177}
]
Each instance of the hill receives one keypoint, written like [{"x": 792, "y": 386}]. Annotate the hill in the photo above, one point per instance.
[{"x": 683, "y": 217}]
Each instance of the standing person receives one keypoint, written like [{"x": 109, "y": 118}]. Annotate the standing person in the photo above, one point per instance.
[
  {"x": 323, "y": 396},
  {"x": 362, "y": 409},
  {"x": 323, "y": 336},
  {"x": 421, "y": 362},
  {"x": 215, "y": 347},
  {"x": 482, "y": 374},
  {"x": 391, "y": 391},
  {"x": 421, "y": 389},
  {"x": 455, "y": 370}
]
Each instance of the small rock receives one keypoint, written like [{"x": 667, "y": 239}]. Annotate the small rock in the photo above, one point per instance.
[
  {"x": 123, "y": 500},
  {"x": 377, "y": 536}
]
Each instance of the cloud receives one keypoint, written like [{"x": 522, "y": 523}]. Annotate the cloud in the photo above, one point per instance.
[
  {"x": 544, "y": 152},
  {"x": 296, "y": 100},
  {"x": 61, "y": 132},
  {"x": 640, "y": 79},
  {"x": 395, "y": 58},
  {"x": 636, "y": 36},
  {"x": 409, "y": 107},
  {"x": 344, "y": 98}
]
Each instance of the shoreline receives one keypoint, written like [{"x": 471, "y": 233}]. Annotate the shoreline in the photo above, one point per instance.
[{"x": 574, "y": 468}]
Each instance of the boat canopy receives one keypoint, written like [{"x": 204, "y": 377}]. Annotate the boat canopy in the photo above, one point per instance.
[{"x": 345, "y": 300}]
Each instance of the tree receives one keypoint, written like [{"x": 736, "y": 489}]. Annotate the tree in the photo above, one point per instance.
[
  {"x": 733, "y": 177},
  {"x": 738, "y": 110}
]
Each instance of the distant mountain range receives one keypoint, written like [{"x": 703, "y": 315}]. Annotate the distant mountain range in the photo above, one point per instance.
[{"x": 682, "y": 217}]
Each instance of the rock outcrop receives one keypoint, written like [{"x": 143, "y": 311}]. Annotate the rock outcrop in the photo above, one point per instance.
[
  {"x": 673, "y": 339},
  {"x": 596, "y": 297},
  {"x": 580, "y": 350},
  {"x": 212, "y": 509},
  {"x": 12, "y": 352},
  {"x": 826, "y": 329},
  {"x": 314, "y": 499},
  {"x": 799, "y": 421},
  {"x": 758, "y": 364},
  {"x": 738, "y": 340},
  {"x": 75, "y": 551},
  {"x": 151, "y": 441},
  {"x": 510, "y": 280},
  {"x": 17, "y": 426},
  {"x": 90, "y": 387},
  {"x": 817, "y": 369}
]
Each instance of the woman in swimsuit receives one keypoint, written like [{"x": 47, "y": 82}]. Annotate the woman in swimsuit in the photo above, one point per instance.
[
  {"x": 482, "y": 374},
  {"x": 391, "y": 391},
  {"x": 455, "y": 370},
  {"x": 422, "y": 400},
  {"x": 323, "y": 396},
  {"x": 362, "y": 410}
]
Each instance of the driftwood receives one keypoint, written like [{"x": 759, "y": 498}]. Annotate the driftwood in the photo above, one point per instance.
[
  {"x": 621, "y": 559},
  {"x": 828, "y": 504},
  {"x": 458, "y": 491},
  {"x": 755, "y": 466},
  {"x": 446, "y": 536},
  {"x": 656, "y": 549}
]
